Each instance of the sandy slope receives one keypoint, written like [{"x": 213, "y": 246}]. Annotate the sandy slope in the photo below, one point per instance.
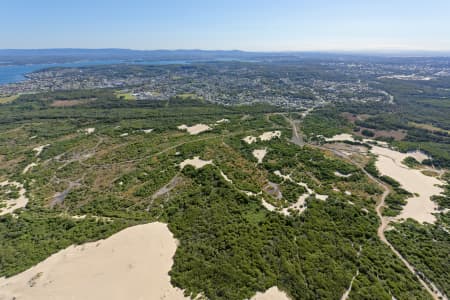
[
  {"x": 418, "y": 207},
  {"x": 271, "y": 294},
  {"x": 132, "y": 264}
]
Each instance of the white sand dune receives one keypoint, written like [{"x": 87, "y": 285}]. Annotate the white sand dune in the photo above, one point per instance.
[
  {"x": 195, "y": 129},
  {"x": 13, "y": 204},
  {"x": 271, "y": 294},
  {"x": 196, "y": 162},
  {"x": 259, "y": 154},
  {"x": 418, "y": 207},
  {"x": 132, "y": 264}
]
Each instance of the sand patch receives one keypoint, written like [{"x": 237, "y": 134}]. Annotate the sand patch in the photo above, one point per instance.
[
  {"x": 147, "y": 130},
  {"x": 196, "y": 129},
  {"x": 196, "y": 162},
  {"x": 339, "y": 174},
  {"x": 13, "y": 204},
  {"x": 88, "y": 130},
  {"x": 124, "y": 134},
  {"x": 39, "y": 149},
  {"x": 300, "y": 205},
  {"x": 259, "y": 154},
  {"x": 131, "y": 264},
  {"x": 222, "y": 121},
  {"x": 28, "y": 167},
  {"x": 421, "y": 207},
  {"x": 341, "y": 137},
  {"x": 271, "y": 294},
  {"x": 267, "y": 136},
  {"x": 250, "y": 139}
]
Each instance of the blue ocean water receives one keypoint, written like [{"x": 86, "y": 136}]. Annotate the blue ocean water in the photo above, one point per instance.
[{"x": 16, "y": 73}]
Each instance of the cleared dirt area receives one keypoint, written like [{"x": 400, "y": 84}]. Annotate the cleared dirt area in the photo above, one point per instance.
[{"x": 70, "y": 103}]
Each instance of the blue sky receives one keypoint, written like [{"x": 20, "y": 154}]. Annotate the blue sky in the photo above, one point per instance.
[{"x": 262, "y": 25}]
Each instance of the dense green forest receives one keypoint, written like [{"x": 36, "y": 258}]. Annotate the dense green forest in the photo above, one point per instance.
[{"x": 231, "y": 246}]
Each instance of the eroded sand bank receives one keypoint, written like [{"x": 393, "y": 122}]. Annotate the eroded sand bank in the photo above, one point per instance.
[
  {"x": 271, "y": 294},
  {"x": 132, "y": 264}
]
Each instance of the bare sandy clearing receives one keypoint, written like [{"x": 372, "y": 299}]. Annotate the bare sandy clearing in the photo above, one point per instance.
[
  {"x": 195, "y": 129},
  {"x": 196, "y": 162},
  {"x": 271, "y": 294},
  {"x": 250, "y": 139},
  {"x": 259, "y": 154},
  {"x": 341, "y": 137},
  {"x": 124, "y": 134},
  {"x": 267, "y": 136},
  {"x": 421, "y": 207},
  {"x": 132, "y": 264},
  {"x": 147, "y": 130},
  {"x": 39, "y": 149},
  {"x": 89, "y": 130},
  {"x": 13, "y": 204}
]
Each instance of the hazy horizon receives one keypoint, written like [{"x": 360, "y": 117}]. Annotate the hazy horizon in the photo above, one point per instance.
[{"x": 261, "y": 26}]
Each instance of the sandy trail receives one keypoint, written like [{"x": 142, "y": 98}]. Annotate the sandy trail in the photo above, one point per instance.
[{"x": 131, "y": 264}]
